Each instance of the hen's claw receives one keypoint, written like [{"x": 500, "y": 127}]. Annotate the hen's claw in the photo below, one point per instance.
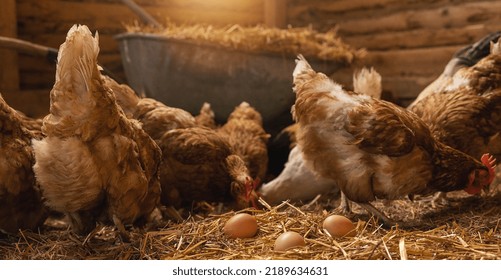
[
  {"x": 344, "y": 205},
  {"x": 124, "y": 234},
  {"x": 387, "y": 222}
]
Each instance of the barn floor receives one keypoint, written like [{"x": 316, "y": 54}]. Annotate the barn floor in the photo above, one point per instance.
[{"x": 464, "y": 228}]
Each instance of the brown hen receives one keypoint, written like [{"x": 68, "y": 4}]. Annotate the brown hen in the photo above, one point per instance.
[
  {"x": 465, "y": 112},
  {"x": 156, "y": 117},
  {"x": 199, "y": 165},
  {"x": 247, "y": 138},
  {"x": 21, "y": 204},
  {"x": 94, "y": 162}
]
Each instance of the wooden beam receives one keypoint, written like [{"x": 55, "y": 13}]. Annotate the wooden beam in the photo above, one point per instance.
[
  {"x": 9, "y": 71},
  {"x": 275, "y": 13}
]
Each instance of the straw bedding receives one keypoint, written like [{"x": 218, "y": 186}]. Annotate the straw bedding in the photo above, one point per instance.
[{"x": 465, "y": 228}]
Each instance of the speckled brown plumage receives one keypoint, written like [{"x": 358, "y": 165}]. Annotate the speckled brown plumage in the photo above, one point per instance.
[
  {"x": 94, "y": 162},
  {"x": 198, "y": 165},
  {"x": 156, "y": 118},
  {"x": 466, "y": 113},
  {"x": 21, "y": 204},
  {"x": 372, "y": 148},
  {"x": 247, "y": 138}
]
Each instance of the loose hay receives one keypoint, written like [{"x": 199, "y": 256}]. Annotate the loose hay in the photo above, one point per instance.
[
  {"x": 468, "y": 228},
  {"x": 260, "y": 39}
]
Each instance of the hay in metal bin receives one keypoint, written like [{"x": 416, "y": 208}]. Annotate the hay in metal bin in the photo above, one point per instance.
[
  {"x": 466, "y": 228},
  {"x": 261, "y": 39}
]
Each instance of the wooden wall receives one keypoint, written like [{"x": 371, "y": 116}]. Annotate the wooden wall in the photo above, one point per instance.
[
  {"x": 46, "y": 22},
  {"x": 9, "y": 78},
  {"x": 409, "y": 41}
]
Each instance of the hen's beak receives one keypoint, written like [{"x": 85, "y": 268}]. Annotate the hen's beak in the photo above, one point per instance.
[{"x": 250, "y": 192}]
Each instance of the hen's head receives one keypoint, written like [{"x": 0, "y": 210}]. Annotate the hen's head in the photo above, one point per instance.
[
  {"x": 480, "y": 179},
  {"x": 245, "y": 111},
  {"x": 242, "y": 185}
]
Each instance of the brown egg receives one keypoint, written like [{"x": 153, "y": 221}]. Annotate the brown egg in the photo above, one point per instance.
[
  {"x": 289, "y": 240},
  {"x": 241, "y": 226},
  {"x": 339, "y": 226}
]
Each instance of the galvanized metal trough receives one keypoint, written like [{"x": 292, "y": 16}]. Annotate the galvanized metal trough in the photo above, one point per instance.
[{"x": 185, "y": 74}]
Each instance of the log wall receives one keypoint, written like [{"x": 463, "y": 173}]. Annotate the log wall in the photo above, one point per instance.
[
  {"x": 408, "y": 41},
  {"x": 9, "y": 76},
  {"x": 46, "y": 22}
]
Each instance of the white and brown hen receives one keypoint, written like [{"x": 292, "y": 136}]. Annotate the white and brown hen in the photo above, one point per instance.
[
  {"x": 297, "y": 182},
  {"x": 374, "y": 149}
]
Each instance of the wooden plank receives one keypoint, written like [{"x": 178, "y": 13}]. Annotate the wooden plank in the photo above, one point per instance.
[
  {"x": 406, "y": 88},
  {"x": 296, "y": 8},
  {"x": 411, "y": 62},
  {"x": 36, "y": 64},
  {"x": 372, "y": 17},
  {"x": 275, "y": 13},
  {"x": 420, "y": 38},
  {"x": 107, "y": 43},
  {"x": 209, "y": 16},
  {"x": 363, "y": 8},
  {"x": 58, "y": 16},
  {"x": 459, "y": 15},
  {"x": 240, "y": 5},
  {"x": 9, "y": 73}
]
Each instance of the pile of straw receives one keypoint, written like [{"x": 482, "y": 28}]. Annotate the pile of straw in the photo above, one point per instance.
[
  {"x": 466, "y": 228},
  {"x": 260, "y": 39}
]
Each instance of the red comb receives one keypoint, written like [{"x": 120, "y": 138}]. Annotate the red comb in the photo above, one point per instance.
[{"x": 490, "y": 162}]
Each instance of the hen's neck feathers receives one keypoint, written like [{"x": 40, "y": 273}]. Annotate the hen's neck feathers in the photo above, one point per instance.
[
  {"x": 247, "y": 113},
  {"x": 236, "y": 168}
]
